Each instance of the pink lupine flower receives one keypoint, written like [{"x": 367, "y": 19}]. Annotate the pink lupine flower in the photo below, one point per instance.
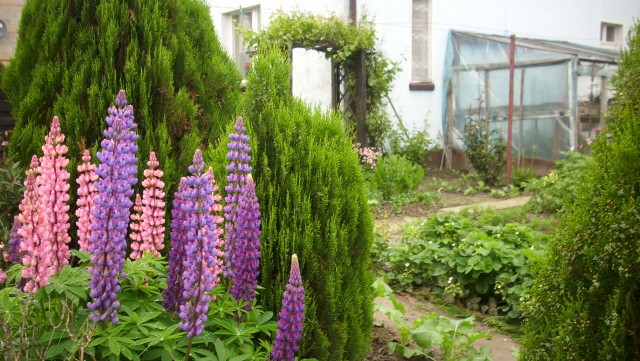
[
  {"x": 35, "y": 258},
  {"x": 136, "y": 237},
  {"x": 3, "y": 276},
  {"x": 218, "y": 217},
  {"x": 86, "y": 193},
  {"x": 52, "y": 188},
  {"x": 291, "y": 316},
  {"x": 152, "y": 223}
]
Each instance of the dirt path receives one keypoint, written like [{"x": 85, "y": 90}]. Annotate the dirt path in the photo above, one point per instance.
[{"x": 391, "y": 225}]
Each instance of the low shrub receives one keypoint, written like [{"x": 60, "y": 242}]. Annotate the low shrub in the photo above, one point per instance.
[
  {"x": 395, "y": 175},
  {"x": 552, "y": 192}
]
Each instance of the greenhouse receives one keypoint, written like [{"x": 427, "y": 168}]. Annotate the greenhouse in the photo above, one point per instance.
[{"x": 560, "y": 91}]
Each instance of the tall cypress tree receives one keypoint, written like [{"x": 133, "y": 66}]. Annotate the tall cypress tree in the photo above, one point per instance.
[
  {"x": 313, "y": 203},
  {"x": 73, "y": 56},
  {"x": 585, "y": 303}
]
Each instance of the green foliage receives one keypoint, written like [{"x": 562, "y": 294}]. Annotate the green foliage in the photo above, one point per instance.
[
  {"x": 414, "y": 145},
  {"x": 72, "y": 57},
  {"x": 395, "y": 175},
  {"x": 484, "y": 146},
  {"x": 11, "y": 192},
  {"x": 454, "y": 338},
  {"x": 53, "y": 323},
  {"x": 552, "y": 192},
  {"x": 313, "y": 203},
  {"x": 584, "y": 304},
  {"x": 485, "y": 265},
  {"x": 521, "y": 177}
]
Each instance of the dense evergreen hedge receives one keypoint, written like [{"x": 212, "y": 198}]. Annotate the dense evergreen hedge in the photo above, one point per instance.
[
  {"x": 313, "y": 203},
  {"x": 585, "y": 304},
  {"x": 73, "y": 56}
]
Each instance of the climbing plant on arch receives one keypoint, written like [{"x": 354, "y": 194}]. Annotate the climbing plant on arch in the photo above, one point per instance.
[{"x": 347, "y": 46}]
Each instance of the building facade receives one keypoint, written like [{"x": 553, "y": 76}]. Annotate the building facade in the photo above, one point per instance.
[{"x": 416, "y": 34}]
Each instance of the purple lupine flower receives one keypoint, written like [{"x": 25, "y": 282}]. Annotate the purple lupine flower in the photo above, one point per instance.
[
  {"x": 247, "y": 258},
  {"x": 117, "y": 175},
  {"x": 12, "y": 254},
  {"x": 201, "y": 271},
  {"x": 290, "y": 317},
  {"x": 238, "y": 168},
  {"x": 172, "y": 296}
]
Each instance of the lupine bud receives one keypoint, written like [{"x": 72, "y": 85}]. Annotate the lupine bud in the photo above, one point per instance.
[
  {"x": 117, "y": 175},
  {"x": 238, "y": 168},
  {"x": 136, "y": 215},
  {"x": 247, "y": 258},
  {"x": 12, "y": 254},
  {"x": 200, "y": 266},
  {"x": 53, "y": 186},
  {"x": 290, "y": 317},
  {"x": 86, "y": 193},
  {"x": 172, "y": 296},
  {"x": 35, "y": 259},
  {"x": 152, "y": 225}
]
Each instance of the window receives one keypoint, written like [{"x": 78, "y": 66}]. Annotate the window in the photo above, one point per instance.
[
  {"x": 611, "y": 34},
  {"x": 420, "y": 45},
  {"x": 242, "y": 18}
]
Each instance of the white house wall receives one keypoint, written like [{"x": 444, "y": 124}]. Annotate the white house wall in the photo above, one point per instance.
[{"x": 577, "y": 21}]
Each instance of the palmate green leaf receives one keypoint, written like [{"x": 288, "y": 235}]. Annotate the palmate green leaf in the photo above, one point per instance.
[
  {"x": 114, "y": 346},
  {"x": 58, "y": 348}
]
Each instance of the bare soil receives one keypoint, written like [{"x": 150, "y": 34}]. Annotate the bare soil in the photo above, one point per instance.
[{"x": 389, "y": 221}]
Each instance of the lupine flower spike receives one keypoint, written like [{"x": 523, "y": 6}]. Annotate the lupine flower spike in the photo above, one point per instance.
[
  {"x": 290, "y": 317},
  {"x": 200, "y": 272},
  {"x": 136, "y": 239},
  {"x": 173, "y": 295},
  {"x": 218, "y": 218},
  {"x": 53, "y": 187},
  {"x": 35, "y": 259},
  {"x": 86, "y": 193},
  {"x": 117, "y": 175},
  {"x": 152, "y": 225},
  {"x": 247, "y": 258},
  {"x": 238, "y": 168},
  {"x": 12, "y": 253}
]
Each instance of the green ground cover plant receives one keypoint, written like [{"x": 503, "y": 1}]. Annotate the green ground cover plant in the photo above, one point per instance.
[
  {"x": 452, "y": 338},
  {"x": 485, "y": 266}
]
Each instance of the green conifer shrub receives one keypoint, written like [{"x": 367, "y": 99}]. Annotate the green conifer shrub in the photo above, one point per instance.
[
  {"x": 73, "y": 56},
  {"x": 585, "y": 303},
  {"x": 313, "y": 203}
]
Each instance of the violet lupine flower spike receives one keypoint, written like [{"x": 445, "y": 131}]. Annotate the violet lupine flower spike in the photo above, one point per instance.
[
  {"x": 13, "y": 254},
  {"x": 136, "y": 239},
  {"x": 53, "y": 187},
  {"x": 238, "y": 168},
  {"x": 247, "y": 257},
  {"x": 200, "y": 272},
  {"x": 35, "y": 258},
  {"x": 173, "y": 295},
  {"x": 117, "y": 175},
  {"x": 152, "y": 224},
  {"x": 290, "y": 317},
  {"x": 86, "y": 193}
]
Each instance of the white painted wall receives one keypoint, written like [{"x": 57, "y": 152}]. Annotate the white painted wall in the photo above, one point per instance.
[{"x": 576, "y": 21}]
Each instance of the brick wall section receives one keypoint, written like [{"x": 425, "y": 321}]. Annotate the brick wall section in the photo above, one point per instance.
[{"x": 10, "y": 11}]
